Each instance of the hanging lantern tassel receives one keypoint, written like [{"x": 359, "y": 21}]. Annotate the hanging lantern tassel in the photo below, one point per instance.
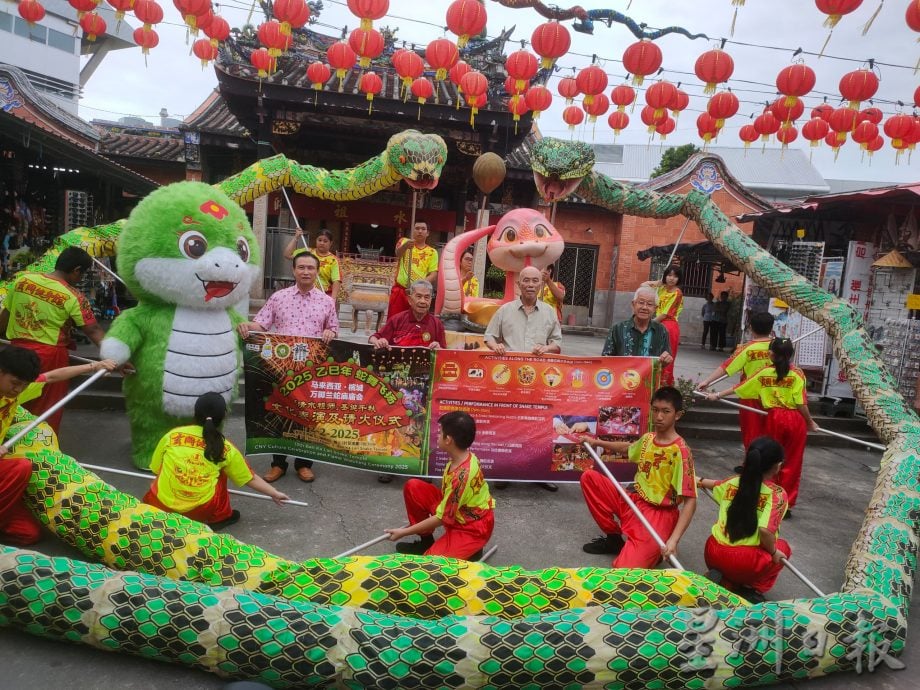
[
  {"x": 737, "y": 4},
  {"x": 370, "y": 103},
  {"x": 872, "y": 18}
]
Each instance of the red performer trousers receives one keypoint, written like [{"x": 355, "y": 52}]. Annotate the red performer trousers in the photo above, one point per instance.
[
  {"x": 458, "y": 541},
  {"x": 788, "y": 428},
  {"x": 398, "y": 301},
  {"x": 17, "y": 525},
  {"x": 51, "y": 357},
  {"x": 745, "y": 566},
  {"x": 673, "y": 328},
  {"x": 753, "y": 425},
  {"x": 215, "y": 510},
  {"x": 605, "y": 504}
]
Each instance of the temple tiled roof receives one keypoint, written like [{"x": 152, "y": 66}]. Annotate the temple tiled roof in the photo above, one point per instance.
[
  {"x": 151, "y": 143},
  {"x": 213, "y": 116}
]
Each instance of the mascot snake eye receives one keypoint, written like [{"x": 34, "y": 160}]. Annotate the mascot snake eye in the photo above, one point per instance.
[
  {"x": 193, "y": 244},
  {"x": 542, "y": 231},
  {"x": 509, "y": 235},
  {"x": 242, "y": 248}
]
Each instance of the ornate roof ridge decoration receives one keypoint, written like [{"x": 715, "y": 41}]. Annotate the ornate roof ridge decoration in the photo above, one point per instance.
[
  {"x": 47, "y": 107},
  {"x": 165, "y": 144},
  {"x": 213, "y": 115},
  {"x": 696, "y": 163}
]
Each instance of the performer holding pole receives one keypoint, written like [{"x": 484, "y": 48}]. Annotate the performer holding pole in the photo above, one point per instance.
[
  {"x": 747, "y": 359},
  {"x": 781, "y": 389},
  {"x": 744, "y": 552},
  {"x": 670, "y": 305},
  {"x": 664, "y": 493},
  {"x": 192, "y": 464},
  {"x": 462, "y": 504}
]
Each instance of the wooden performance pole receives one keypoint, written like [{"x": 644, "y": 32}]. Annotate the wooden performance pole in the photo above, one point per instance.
[
  {"x": 676, "y": 244},
  {"x": 141, "y": 475},
  {"x": 107, "y": 270},
  {"x": 414, "y": 207},
  {"x": 367, "y": 544},
  {"x": 625, "y": 496}
]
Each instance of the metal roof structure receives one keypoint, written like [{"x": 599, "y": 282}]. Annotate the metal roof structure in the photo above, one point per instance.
[{"x": 853, "y": 204}]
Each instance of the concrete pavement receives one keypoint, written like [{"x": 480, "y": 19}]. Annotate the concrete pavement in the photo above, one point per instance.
[{"x": 534, "y": 528}]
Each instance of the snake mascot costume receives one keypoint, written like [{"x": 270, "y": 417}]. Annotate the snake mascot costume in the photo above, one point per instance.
[{"x": 206, "y": 600}]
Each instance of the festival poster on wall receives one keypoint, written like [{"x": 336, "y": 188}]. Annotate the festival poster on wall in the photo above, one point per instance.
[
  {"x": 342, "y": 403},
  {"x": 530, "y": 411}
]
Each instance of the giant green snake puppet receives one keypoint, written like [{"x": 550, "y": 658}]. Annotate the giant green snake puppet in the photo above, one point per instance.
[{"x": 415, "y": 622}]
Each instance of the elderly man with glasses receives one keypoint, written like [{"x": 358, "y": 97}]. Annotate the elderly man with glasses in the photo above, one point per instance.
[{"x": 640, "y": 335}]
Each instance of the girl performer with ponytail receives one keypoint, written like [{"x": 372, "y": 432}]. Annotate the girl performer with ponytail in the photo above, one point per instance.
[
  {"x": 781, "y": 389},
  {"x": 192, "y": 464},
  {"x": 670, "y": 305},
  {"x": 744, "y": 551}
]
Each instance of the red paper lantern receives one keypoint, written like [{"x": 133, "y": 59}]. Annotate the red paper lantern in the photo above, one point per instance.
[
  {"x": 33, "y": 11},
  {"x": 843, "y": 120},
  {"x": 191, "y": 10},
  {"x": 318, "y": 74},
  {"x": 368, "y": 10},
  {"x": 262, "y": 61},
  {"x": 568, "y": 89},
  {"x": 409, "y": 66},
  {"x": 859, "y": 85},
  {"x": 204, "y": 51},
  {"x": 273, "y": 38},
  {"x": 679, "y": 103},
  {"x": 914, "y": 138},
  {"x": 518, "y": 108},
  {"x": 466, "y": 18},
  {"x": 457, "y": 72},
  {"x": 650, "y": 120},
  {"x": 618, "y": 121},
  {"x": 538, "y": 98},
  {"x": 660, "y": 95},
  {"x": 146, "y": 38},
  {"x": 93, "y": 25},
  {"x": 474, "y": 86},
  {"x": 370, "y": 84},
  {"x": 832, "y": 139},
  {"x": 218, "y": 30},
  {"x": 707, "y": 127},
  {"x": 121, "y": 8},
  {"x": 787, "y": 112},
  {"x": 422, "y": 89},
  {"x": 550, "y": 41},
  {"x": 597, "y": 107},
  {"x": 622, "y": 96},
  {"x": 714, "y": 67},
  {"x": 748, "y": 135},
  {"x": 835, "y": 9},
  {"x": 795, "y": 81},
  {"x": 572, "y": 116},
  {"x": 591, "y": 81},
  {"x": 875, "y": 145},
  {"x": 84, "y": 6},
  {"x": 898, "y": 128},
  {"x": 367, "y": 44},
  {"x": 766, "y": 124},
  {"x": 521, "y": 66},
  {"x": 787, "y": 134},
  {"x": 292, "y": 14},
  {"x": 815, "y": 130},
  {"x": 341, "y": 58},
  {"x": 864, "y": 133},
  {"x": 873, "y": 115},
  {"x": 441, "y": 54},
  {"x": 917, "y": 97},
  {"x": 642, "y": 59},
  {"x": 666, "y": 127},
  {"x": 913, "y": 15},
  {"x": 722, "y": 106},
  {"x": 511, "y": 87},
  {"x": 202, "y": 21}
]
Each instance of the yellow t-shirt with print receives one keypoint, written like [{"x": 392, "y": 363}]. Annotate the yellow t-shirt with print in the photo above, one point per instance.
[
  {"x": 466, "y": 496},
  {"x": 329, "y": 271},
  {"x": 8, "y": 405},
  {"x": 748, "y": 359},
  {"x": 186, "y": 479},
  {"x": 42, "y": 309},
  {"x": 471, "y": 287},
  {"x": 670, "y": 304},
  {"x": 771, "y": 507},
  {"x": 665, "y": 472},
  {"x": 788, "y": 393},
  {"x": 424, "y": 261}
]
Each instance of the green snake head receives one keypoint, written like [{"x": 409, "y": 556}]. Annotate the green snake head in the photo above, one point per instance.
[
  {"x": 560, "y": 166},
  {"x": 416, "y": 157}
]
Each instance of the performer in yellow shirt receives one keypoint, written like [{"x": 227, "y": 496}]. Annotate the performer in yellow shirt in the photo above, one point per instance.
[
  {"x": 781, "y": 389},
  {"x": 192, "y": 464},
  {"x": 329, "y": 276},
  {"x": 462, "y": 505},
  {"x": 670, "y": 305},
  {"x": 415, "y": 261},
  {"x": 469, "y": 282},
  {"x": 552, "y": 292}
]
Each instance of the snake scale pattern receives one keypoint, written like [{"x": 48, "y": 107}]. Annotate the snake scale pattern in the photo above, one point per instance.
[{"x": 405, "y": 622}]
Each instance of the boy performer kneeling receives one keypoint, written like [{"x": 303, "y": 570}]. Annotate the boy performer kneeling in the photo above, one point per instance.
[
  {"x": 664, "y": 480},
  {"x": 462, "y": 504}
]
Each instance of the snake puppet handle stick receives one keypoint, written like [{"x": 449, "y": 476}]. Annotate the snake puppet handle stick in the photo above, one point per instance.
[
  {"x": 75, "y": 358},
  {"x": 794, "y": 340},
  {"x": 107, "y": 270},
  {"x": 625, "y": 496},
  {"x": 851, "y": 439}
]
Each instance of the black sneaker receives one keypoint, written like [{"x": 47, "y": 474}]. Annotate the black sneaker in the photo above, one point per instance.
[
  {"x": 714, "y": 575},
  {"x": 549, "y": 486},
  {"x": 384, "y": 478},
  {"x": 788, "y": 515},
  {"x": 476, "y": 556},
  {"x": 233, "y": 519},
  {"x": 751, "y": 595},
  {"x": 414, "y": 548},
  {"x": 738, "y": 469},
  {"x": 609, "y": 544}
]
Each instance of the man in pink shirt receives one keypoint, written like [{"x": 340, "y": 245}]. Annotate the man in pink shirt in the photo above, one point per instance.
[{"x": 303, "y": 310}]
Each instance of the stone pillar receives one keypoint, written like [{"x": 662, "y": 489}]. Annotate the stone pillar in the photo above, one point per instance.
[{"x": 259, "y": 225}]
